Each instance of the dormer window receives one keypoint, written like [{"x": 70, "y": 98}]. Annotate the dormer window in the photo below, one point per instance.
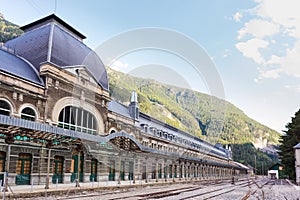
[
  {"x": 159, "y": 133},
  {"x": 145, "y": 127},
  {"x": 170, "y": 136},
  {"x": 153, "y": 130},
  {"x": 165, "y": 135}
]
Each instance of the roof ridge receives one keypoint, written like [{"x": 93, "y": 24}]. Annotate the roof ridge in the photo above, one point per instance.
[
  {"x": 50, "y": 42},
  {"x": 52, "y": 18}
]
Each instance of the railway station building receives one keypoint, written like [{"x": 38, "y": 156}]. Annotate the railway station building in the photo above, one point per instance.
[{"x": 58, "y": 123}]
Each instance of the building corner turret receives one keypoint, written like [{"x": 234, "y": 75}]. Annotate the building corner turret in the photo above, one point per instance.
[{"x": 134, "y": 106}]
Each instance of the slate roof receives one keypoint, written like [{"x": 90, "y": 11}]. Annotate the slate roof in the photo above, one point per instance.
[
  {"x": 297, "y": 146},
  {"x": 52, "y": 40},
  {"x": 52, "y": 18},
  {"x": 241, "y": 165},
  {"x": 19, "y": 67},
  {"x": 123, "y": 110},
  {"x": 119, "y": 108},
  {"x": 275, "y": 166}
]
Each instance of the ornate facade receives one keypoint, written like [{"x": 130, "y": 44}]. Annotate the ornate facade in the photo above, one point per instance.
[{"x": 58, "y": 123}]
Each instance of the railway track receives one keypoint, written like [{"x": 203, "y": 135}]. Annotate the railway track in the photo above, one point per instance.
[
  {"x": 194, "y": 190},
  {"x": 258, "y": 186},
  {"x": 243, "y": 189},
  {"x": 152, "y": 192},
  {"x": 214, "y": 193},
  {"x": 190, "y": 193},
  {"x": 262, "y": 190}
]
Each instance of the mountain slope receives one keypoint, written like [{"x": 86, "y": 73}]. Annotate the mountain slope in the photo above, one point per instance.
[
  {"x": 8, "y": 30},
  {"x": 202, "y": 115}
]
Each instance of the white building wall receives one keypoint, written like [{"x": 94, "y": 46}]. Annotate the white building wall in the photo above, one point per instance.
[
  {"x": 273, "y": 172},
  {"x": 297, "y": 165}
]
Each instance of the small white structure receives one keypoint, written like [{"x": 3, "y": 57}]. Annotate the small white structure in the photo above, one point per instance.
[
  {"x": 275, "y": 171},
  {"x": 273, "y": 174},
  {"x": 297, "y": 163}
]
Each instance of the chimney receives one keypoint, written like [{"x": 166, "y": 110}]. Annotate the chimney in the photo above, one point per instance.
[{"x": 134, "y": 106}]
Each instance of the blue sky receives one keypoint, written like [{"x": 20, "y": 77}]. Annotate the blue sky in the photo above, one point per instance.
[{"x": 255, "y": 45}]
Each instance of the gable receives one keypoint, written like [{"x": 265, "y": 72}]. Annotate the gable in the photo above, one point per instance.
[
  {"x": 277, "y": 166},
  {"x": 83, "y": 73}
]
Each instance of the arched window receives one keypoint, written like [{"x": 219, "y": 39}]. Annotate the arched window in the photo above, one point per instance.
[
  {"x": 28, "y": 114},
  {"x": 77, "y": 119},
  {"x": 4, "y": 108}
]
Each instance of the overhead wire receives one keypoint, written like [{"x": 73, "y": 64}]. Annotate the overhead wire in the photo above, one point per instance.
[
  {"x": 55, "y": 6},
  {"x": 35, "y": 6}
]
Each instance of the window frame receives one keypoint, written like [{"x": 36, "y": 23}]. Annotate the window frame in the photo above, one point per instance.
[
  {"x": 4, "y": 109},
  {"x": 69, "y": 119},
  {"x": 33, "y": 117}
]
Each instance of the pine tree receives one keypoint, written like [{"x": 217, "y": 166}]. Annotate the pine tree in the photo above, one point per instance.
[{"x": 288, "y": 141}]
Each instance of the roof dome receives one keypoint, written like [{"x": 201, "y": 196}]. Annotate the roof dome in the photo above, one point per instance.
[
  {"x": 18, "y": 66},
  {"x": 52, "y": 40}
]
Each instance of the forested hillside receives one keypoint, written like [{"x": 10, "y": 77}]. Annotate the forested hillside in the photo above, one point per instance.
[
  {"x": 249, "y": 155},
  {"x": 209, "y": 118},
  {"x": 8, "y": 30},
  {"x": 193, "y": 112}
]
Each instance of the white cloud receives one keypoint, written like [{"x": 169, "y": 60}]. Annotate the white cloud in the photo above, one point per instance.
[
  {"x": 274, "y": 60},
  {"x": 283, "y": 12},
  {"x": 275, "y": 29},
  {"x": 237, "y": 16},
  {"x": 251, "y": 48},
  {"x": 294, "y": 88},
  {"x": 227, "y": 53},
  {"x": 118, "y": 65},
  {"x": 290, "y": 62},
  {"x": 258, "y": 28},
  {"x": 273, "y": 73}
]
